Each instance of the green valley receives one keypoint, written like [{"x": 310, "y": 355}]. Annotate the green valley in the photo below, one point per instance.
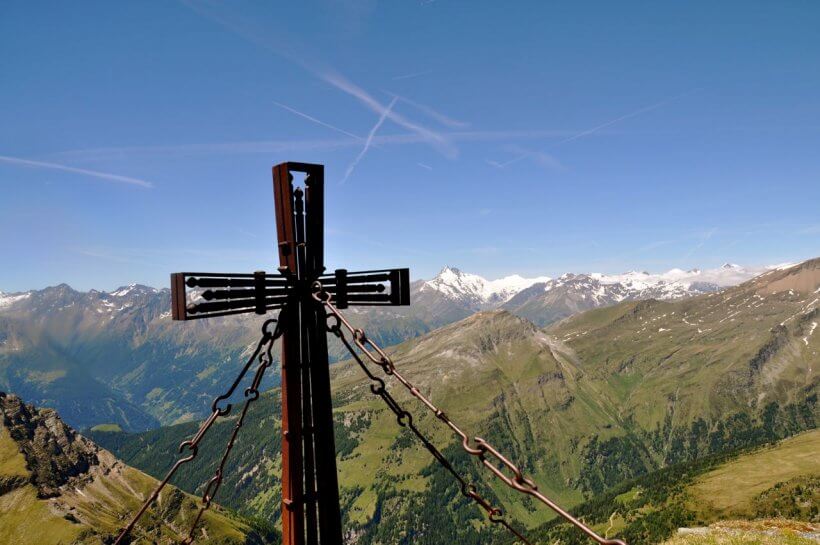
[{"x": 595, "y": 401}]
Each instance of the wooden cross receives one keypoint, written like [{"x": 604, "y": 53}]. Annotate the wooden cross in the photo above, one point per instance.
[{"x": 310, "y": 489}]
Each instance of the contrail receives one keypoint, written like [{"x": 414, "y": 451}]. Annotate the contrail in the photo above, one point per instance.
[
  {"x": 622, "y": 118},
  {"x": 317, "y": 121},
  {"x": 369, "y": 140},
  {"x": 700, "y": 244},
  {"x": 329, "y": 76},
  {"x": 341, "y": 83},
  {"x": 93, "y": 173},
  {"x": 413, "y": 75},
  {"x": 438, "y": 116}
]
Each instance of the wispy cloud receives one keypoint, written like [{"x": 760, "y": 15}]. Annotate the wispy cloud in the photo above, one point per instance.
[
  {"x": 279, "y": 146},
  {"x": 422, "y": 165},
  {"x": 598, "y": 128},
  {"x": 149, "y": 256},
  {"x": 370, "y": 240},
  {"x": 411, "y": 75},
  {"x": 244, "y": 146},
  {"x": 430, "y": 112},
  {"x": 107, "y": 256},
  {"x": 485, "y": 250},
  {"x": 85, "y": 172},
  {"x": 654, "y": 245},
  {"x": 475, "y": 136},
  {"x": 317, "y": 121},
  {"x": 810, "y": 230},
  {"x": 703, "y": 240},
  {"x": 369, "y": 140},
  {"x": 246, "y": 232}
]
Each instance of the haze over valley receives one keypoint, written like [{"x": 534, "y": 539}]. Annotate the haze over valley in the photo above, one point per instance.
[
  {"x": 599, "y": 401},
  {"x": 117, "y": 358}
]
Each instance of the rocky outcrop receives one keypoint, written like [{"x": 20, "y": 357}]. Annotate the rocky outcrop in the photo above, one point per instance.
[
  {"x": 55, "y": 454},
  {"x": 11, "y": 482}
]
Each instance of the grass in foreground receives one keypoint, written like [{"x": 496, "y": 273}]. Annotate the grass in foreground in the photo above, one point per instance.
[
  {"x": 755, "y": 532},
  {"x": 733, "y": 487}
]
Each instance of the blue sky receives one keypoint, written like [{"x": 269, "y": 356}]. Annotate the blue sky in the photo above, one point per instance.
[{"x": 499, "y": 137}]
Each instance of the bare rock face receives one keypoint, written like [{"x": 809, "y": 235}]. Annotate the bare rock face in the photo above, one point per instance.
[{"x": 55, "y": 454}]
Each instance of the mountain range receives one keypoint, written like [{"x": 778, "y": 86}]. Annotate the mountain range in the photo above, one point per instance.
[
  {"x": 117, "y": 358},
  {"x": 544, "y": 300},
  {"x": 585, "y": 406},
  {"x": 598, "y": 399}
]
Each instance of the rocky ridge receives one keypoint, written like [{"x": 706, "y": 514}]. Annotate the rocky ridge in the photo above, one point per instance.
[
  {"x": 57, "y": 486},
  {"x": 55, "y": 454}
]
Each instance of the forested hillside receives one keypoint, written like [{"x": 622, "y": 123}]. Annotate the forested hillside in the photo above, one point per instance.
[{"x": 587, "y": 404}]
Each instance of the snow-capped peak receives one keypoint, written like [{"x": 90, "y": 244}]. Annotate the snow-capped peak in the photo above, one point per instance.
[
  {"x": 476, "y": 291},
  {"x": 728, "y": 274}
]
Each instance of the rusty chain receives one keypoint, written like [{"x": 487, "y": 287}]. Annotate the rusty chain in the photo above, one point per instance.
[
  {"x": 483, "y": 450},
  {"x": 405, "y": 419},
  {"x": 251, "y": 394},
  {"x": 192, "y": 444}
]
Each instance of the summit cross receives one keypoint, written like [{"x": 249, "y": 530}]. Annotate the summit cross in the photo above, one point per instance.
[{"x": 310, "y": 489}]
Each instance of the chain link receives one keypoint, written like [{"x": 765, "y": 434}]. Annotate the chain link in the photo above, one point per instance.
[
  {"x": 483, "y": 450},
  {"x": 251, "y": 394},
  {"x": 192, "y": 444}
]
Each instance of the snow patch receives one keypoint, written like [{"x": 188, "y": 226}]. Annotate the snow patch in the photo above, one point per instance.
[
  {"x": 811, "y": 332},
  {"x": 6, "y": 300},
  {"x": 122, "y": 292}
]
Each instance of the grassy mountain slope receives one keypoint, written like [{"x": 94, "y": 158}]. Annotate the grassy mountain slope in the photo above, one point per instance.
[
  {"x": 700, "y": 375},
  {"x": 596, "y": 400},
  {"x": 742, "y": 532},
  {"x": 480, "y": 385},
  {"x": 707, "y": 355},
  {"x": 58, "y": 487},
  {"x": 732, "y": 485},
  {"x": 745, "y": 486}
]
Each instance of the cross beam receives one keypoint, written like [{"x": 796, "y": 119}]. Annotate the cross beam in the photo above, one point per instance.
[
  {"x": 229, "y": 293},
  {"x": 310, "y": 490}
]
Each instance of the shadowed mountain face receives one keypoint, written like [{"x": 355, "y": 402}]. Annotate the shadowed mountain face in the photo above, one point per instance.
[
  {"x": 114, "y": 357},
  {"x": 589, "y": 402},
  {"x": 119, "y": 358},
  {"x": 58, "y": 487}
]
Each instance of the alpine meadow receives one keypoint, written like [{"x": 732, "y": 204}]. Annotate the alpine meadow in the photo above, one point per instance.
[{"x": 409, "y": 273}]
